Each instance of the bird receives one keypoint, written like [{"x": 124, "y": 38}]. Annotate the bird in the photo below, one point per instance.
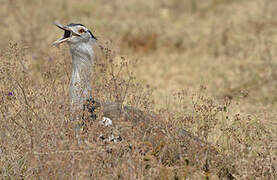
[{"x": 81, "y": 44}]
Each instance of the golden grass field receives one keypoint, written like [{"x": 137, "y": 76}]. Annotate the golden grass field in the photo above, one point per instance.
[{"x": 206, "y": 66}]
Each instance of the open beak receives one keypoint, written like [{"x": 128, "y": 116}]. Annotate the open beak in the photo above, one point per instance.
[{"x": 68, "y": 33}]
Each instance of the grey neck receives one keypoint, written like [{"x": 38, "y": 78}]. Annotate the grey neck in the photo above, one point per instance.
[{"x": 80, "y": 85}]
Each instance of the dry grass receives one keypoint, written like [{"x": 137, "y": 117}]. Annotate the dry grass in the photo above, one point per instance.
[{"x": 206, "y": 67}]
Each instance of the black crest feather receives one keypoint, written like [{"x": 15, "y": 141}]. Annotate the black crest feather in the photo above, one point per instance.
[{"x": 73, "y": 24}]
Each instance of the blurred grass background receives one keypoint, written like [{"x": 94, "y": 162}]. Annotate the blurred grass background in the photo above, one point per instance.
[
  {"x": 226, "y": 48},
  {"x": 221, "y": 44}
]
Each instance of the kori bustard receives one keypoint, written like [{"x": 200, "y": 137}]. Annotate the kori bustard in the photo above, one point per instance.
[{"x": 81, "y": 43}]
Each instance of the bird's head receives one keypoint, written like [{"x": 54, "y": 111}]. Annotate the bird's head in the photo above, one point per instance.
[{"x": 75, "y": 34}]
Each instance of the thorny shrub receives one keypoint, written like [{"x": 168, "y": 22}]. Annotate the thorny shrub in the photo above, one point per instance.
[{"x": 202, "y": 137}]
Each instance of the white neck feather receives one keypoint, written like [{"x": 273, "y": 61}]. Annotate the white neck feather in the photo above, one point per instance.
[{"x": 80, "y": 85}]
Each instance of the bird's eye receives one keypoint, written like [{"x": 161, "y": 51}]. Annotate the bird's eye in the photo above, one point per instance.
[{"x": 81, "y": 30}]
